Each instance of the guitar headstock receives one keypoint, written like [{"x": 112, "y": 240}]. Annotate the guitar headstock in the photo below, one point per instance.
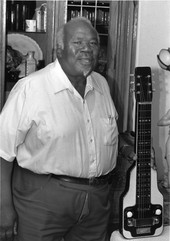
[{"x": 143, "y": 84}]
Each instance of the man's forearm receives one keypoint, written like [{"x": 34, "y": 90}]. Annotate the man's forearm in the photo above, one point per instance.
[
  {"x": 8, "y": 216},
  {"x": 5, "y": 180}
]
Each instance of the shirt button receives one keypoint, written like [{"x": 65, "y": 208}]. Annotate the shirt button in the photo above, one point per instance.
[
  {"x": 91, "y": 140},
  {"x": 88, "y": 120}
]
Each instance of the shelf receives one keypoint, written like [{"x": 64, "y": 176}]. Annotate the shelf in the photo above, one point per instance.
[
  {"x": 25, "y": 32},
  {"x": 15, "y": 24},
  {"x": 96, "y": 11},
  {"x": 20, "y": 11},
  {"x": 87, "y": 6},
  {"x": 103, "y": 4}
]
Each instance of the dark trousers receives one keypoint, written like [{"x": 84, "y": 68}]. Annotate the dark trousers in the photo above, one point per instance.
[{"x": 49, "y": 209}]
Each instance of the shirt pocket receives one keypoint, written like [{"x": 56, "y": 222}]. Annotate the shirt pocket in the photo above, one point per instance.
[{"x": 110, "y": 131}]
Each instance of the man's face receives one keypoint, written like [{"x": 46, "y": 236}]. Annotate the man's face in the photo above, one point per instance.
[{"x": 81, "y": 48}]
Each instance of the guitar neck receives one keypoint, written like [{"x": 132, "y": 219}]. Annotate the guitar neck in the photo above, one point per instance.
[{"x": 143, "y": 151}]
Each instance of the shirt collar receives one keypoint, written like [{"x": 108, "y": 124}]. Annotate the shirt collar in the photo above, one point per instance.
[
  {"x": 59, "y": 79},
  {"x": 61, "y": 82},
  {"x": 92, "y": 83}
]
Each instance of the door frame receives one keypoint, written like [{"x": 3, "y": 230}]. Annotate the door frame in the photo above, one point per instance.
[{"x": 2, "y": 50}]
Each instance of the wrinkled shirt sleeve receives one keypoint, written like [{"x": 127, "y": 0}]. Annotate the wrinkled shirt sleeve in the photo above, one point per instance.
[{"x": 10, "y": 118}]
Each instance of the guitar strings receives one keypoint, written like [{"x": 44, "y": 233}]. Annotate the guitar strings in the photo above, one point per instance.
[{"x": 144, "y": 152}]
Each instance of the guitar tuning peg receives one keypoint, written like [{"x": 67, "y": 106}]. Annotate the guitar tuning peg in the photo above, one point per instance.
[
  {"x": 132, "y": 83},
  {"x": 132, "y": 90}
]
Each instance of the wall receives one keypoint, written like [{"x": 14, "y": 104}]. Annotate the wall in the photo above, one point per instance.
[{"x": 153, "y": 35}]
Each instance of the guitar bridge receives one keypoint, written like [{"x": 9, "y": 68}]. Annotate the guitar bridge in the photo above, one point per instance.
[{"x": 144, "y": 222}]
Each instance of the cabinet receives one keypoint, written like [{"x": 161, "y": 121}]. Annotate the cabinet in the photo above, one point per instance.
[
  {"x": 20, "y": 39},
  {"x": 98, "y": 12},
  {"x": 39, "y": 39}
]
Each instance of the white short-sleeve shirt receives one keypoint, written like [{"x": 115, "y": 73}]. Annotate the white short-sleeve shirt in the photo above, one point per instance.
[{"x": 49, "y": 128}]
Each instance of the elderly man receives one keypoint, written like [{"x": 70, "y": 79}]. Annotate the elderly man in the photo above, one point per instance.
[{"x": 59, "y": 125}]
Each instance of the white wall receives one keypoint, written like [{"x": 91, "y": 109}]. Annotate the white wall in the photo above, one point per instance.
[{"x": 153, "y": 35}]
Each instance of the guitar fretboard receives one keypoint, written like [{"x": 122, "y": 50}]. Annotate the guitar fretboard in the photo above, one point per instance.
[{"x": 143, "y": 135}]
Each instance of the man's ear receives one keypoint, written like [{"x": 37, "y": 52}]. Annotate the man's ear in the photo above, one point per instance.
[{"x": 59, "y": 52}]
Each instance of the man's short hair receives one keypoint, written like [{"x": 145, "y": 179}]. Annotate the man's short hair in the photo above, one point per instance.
[{"x": 60, "y": 33}]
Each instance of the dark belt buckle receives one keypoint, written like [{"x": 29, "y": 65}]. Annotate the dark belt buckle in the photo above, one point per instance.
[{"x": 92, "y": 181}]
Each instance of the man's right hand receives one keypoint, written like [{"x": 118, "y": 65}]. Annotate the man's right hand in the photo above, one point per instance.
[
  {"x": 8, "y": 224},
  {"x": 8, "y": 216}
]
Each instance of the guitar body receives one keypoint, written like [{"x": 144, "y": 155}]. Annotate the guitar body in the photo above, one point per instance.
[
  {"x": 151, "y": 224},
  {"x": 142, "y": 203}
]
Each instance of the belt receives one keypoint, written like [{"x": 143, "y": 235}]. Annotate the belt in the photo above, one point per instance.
[{"x": 94, "y": 181}]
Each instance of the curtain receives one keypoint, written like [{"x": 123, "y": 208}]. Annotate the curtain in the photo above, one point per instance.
[
  {"x": 121, "y": 58},
  {"x": 59, "y": 20}
]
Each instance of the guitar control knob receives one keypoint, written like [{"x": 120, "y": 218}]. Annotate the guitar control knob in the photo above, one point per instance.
[
  {"x": 158, "y": 212},
  {"x": 129, "y": 223},
  {"x": 129, "y": 214},
  {"x": 155, "y": 221}
]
